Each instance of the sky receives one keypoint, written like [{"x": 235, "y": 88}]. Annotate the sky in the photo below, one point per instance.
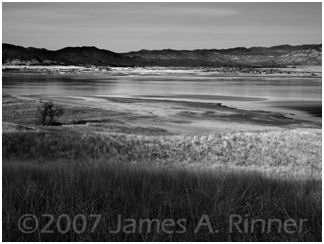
[{"x": 123, "y": 27}]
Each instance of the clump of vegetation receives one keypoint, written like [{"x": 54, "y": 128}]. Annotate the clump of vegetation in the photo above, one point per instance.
[{"x": 49, "y": 113}]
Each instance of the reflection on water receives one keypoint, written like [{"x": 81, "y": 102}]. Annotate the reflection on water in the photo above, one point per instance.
[{"x": 288, "y": 95}]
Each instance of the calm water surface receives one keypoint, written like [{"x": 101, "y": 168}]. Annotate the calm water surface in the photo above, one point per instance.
[{"x": 298, "y": 96}]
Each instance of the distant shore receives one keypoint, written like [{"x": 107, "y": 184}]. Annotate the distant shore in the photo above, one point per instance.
[{"x": 303, "y": 71}]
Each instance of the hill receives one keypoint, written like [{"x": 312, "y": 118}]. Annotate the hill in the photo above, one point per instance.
[{"x": 277, "y": 56}]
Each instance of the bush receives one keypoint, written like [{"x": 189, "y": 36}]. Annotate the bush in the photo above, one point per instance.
[{"x": 49, "y": 113}]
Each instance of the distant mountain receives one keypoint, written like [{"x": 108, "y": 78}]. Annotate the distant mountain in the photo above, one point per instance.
[
  {"x": 12, "y": 54},
  {"x": 276, "y": 56}
]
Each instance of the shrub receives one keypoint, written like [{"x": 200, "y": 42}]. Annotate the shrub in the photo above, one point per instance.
[{"x": 49, "y": 113}]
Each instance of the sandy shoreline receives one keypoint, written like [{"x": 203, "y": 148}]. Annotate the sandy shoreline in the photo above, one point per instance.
[{"x": 175, "y": 117}]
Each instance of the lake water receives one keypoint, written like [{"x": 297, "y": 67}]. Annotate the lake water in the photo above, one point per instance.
[{"x": 294, "y": 96}]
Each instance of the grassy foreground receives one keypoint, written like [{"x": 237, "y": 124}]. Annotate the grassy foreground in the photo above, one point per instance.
[{"x": 255, "y": 175}]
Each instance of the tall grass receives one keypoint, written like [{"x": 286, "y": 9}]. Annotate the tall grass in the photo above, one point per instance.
[
  {"x": 138, "y": 192},
  {"x": 280, "y": 151},
  {"x": 72, "y": 173}
]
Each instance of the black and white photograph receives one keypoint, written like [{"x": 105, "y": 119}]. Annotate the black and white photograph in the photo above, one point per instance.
[{"x": 161, "y": 121}]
